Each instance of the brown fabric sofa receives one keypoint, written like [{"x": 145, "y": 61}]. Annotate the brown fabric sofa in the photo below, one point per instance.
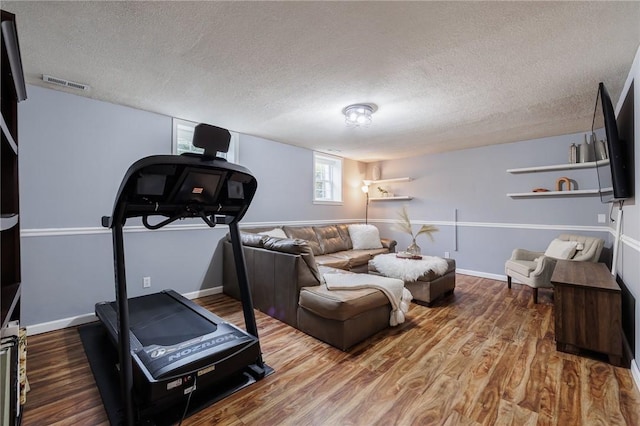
[{"x": 285, "y": 276}]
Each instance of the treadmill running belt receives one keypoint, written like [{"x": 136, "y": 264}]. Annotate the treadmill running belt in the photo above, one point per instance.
[{"x": 157, "y": 319}]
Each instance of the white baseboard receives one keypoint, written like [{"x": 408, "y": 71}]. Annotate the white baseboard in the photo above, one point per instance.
[
  {"x": 60, "y": 324},
  {"x": 203, "y": 293},
  {"x": 496, "y": 277},
  {"x": 86, "y": 318},
  {"x": 635, "y": 373}
]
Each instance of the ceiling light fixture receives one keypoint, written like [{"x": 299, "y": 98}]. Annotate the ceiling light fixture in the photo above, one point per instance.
[{"x": 357, "y": 115}]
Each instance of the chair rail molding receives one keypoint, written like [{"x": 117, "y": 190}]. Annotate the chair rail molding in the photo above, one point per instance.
[{"x": 94, "y": 230}]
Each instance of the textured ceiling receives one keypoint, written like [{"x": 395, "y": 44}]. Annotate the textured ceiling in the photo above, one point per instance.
[{"x": 445, "y": 75}]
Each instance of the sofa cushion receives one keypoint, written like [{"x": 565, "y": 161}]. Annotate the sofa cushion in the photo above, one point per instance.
[
  {"x": 296, "y": 247},
  {"x": 332, "y": 261},
  {"x": 559, "y": 249},
  {"x": 588, "y": 248},
  {"x": 275, "y": 232},
  {"x": 374, "y": 252},
  {"x": 330, "y": 239},
  {"x": 251, "y": 240},
  {"x": 305, "y": 233},
  {"x": 344, "y": 233},
  {"x": 355, "y": 257},
  {"x": 340, "y": 304},
  {"x": 364, "y": 237},
  {"x": 286, "y": 245}
]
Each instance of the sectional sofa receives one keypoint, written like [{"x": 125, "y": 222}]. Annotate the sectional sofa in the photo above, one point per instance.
[{"x": 285, "y": 267}]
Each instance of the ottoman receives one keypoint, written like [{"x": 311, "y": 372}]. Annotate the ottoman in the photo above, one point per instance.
[{"x": 430, "y": 286}]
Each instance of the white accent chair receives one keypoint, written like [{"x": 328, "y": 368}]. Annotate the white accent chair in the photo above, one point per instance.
[{"x": 535, "y": 268}]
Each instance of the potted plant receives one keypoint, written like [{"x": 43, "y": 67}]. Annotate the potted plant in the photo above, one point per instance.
[{"x": 404, "y": 225}]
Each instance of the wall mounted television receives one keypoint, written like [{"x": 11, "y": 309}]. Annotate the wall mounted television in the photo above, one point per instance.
[{"x": 615, "y": 172}]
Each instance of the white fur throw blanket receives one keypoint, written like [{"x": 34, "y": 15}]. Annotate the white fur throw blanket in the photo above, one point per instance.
[
  {"x": 394, "y": 289},
  {"x": 408, "y": 269}
]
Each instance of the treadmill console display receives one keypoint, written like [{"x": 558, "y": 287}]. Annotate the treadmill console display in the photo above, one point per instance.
[
  {"x": 197, "y": 186},
  {"x": 178, "y": 187},
  {"x": 151, "y": 184}
]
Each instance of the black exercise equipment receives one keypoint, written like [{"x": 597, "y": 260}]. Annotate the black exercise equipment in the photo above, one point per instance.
[{"x": 169, "y": 347}]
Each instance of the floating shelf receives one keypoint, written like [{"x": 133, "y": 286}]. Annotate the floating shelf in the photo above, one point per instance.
[
  {"x": 575, "y": 166},
  {"x": 401, "y": 179},
  {"x": 577, "y": 192},
  {"x": 8, "y": 221},
  {"x": 400, "y": 197}
]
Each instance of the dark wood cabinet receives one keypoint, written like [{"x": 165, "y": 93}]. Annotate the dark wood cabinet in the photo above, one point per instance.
[
  {"x": 12, "y": 91},
  {"x": 587, "y": 302}
]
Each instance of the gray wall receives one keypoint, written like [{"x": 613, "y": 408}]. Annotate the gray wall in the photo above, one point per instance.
[
  {"x": 471, "y": 185},
  {"x": 74, "y": 152},
  {"x": 285, "y": 184}
]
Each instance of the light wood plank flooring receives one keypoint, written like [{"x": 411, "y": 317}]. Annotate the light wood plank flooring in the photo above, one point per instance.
[{"x": 485, "y": 356}]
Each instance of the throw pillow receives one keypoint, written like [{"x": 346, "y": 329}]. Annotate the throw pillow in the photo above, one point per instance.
[
  {"x": 364, "y": 237},
  {"x": 559, "y": 249},
  {"x": 275, "y": 232}
]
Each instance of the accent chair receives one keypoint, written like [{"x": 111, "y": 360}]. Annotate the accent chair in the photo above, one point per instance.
[{"x": 534, "y": 268}]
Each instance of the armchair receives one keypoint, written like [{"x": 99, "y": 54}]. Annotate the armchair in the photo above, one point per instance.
[{"x": 534, "y": 268}]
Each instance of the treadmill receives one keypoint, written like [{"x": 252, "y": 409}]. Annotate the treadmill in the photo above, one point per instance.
[{"x": 170, "y": 348}]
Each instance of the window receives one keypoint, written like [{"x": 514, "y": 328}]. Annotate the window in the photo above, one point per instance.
[
  {"x": 183, "y": 140},
  {"x": 327, "y": 179}
]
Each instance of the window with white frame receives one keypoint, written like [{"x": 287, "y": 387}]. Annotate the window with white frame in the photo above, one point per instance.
[
  {"x": 327, "y": 179},
  {"x": 183, "y": 140}
]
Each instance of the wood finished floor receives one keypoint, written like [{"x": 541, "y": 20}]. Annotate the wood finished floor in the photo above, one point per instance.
[{"x": 485, "y": 356}]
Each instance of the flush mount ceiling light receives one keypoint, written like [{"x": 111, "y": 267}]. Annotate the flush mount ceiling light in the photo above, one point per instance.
[{"x": 357, "y": 115}]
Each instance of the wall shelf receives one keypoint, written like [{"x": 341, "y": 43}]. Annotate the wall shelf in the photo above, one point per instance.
[
  {"x": 555, "y": 167},
  {"x": 574, "y": 193},
  {"x": 383, "y": 181},
  {"x": 400, "y": 197}
]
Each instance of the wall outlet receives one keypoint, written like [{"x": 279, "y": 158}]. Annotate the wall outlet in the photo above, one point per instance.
[
  {"x": 146, "y": 282},
  {"x": 602, "y": 218},
  {"x": 446, "y": 255}
]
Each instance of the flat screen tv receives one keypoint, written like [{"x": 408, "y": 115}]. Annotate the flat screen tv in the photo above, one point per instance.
[{"x": 614, "y": 172}]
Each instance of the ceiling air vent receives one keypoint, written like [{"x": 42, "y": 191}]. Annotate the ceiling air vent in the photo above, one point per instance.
[{"x": 66, "y": 83}]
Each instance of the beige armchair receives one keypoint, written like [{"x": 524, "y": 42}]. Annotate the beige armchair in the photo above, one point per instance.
[{"x": 535, "y": 268}]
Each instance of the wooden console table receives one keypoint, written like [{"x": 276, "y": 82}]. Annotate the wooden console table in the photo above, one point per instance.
[{"x": 587, "y": 304}]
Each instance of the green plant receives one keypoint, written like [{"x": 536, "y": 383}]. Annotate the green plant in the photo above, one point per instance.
[{"x": 404, "y": 225}]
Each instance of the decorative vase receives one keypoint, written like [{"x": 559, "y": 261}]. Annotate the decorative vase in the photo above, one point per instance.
[
  {"x": 573, "y": 153},
  {"x": 601, "y": 150},
  {"x": 586, "y": 150},
  {"x": 414, "y": 249}
]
